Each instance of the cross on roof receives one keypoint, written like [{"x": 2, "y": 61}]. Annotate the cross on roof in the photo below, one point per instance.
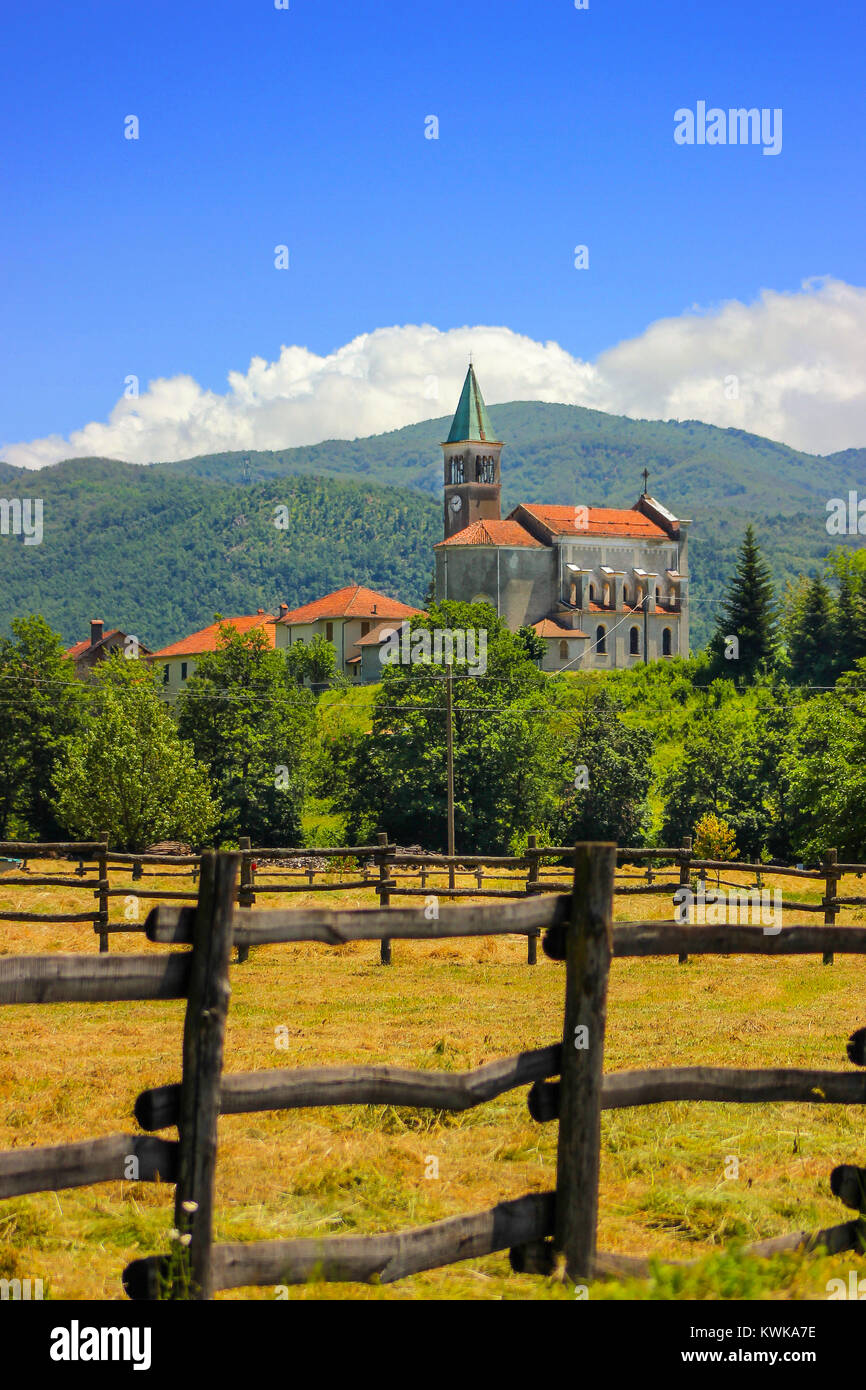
[{"x": 645, "y": 478}]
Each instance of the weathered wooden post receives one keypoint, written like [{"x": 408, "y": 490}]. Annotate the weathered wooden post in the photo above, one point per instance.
[
  {"x": 384, "y": 897},
  {"x": 479, "y": 877},
  {"x": 532, "y": 879},
  {"x": 246, "y": 896},
  {"x": 102, "y": 891},
  {"x": 685, "y": 878},
  {"x": 588, "y": 952},
  {"x": 832, "y": 883},
  {"x": 203, "y": 1038}
]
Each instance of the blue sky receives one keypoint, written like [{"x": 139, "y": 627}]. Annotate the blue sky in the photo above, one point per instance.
[{"x": 306, "y": 127}]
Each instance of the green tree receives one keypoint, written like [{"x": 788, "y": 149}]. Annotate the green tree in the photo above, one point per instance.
[
  {"x": 127, "y": 771},
  {"x": 826, "y": 768},
  {"x": 748, "y": 615},
  {"x": 533, "y": 644},
  {"x": 394, "y": 777},
  {"x": 608, "y": 773},
  {"x": 732, "y": 766},
  {"x": 849, "y": 568},
  {"x": 315, "y": 661},
  {"x": 811, "y": 635},
  {"x": 41, "y": 705},
  {"x": 252, "y": 726}
]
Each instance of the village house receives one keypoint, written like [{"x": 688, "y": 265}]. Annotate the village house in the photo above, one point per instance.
[
  {"x": 357, "y": 621},
  {"x": 176, "y": 662},
  {"x": 603, "y": 587},
  {"x": 101, "y": 644}
]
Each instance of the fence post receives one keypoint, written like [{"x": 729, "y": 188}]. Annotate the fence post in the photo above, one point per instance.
[
  {"x": 685, "y": 876},
  {"x": 532, "y": 878},
  {"x": 384, "y": 898},
  {"x": 246, "y": 896},
  {"x": 102, "y": 891},
  {"x": 203, "y": 1037},
  {"x": 588, "y": 951},
  {"x": 832, "y": 883}
]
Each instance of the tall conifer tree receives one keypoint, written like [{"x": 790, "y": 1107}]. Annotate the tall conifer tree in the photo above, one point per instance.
[
  {"x": 749, "y": 615},
  {"x": 812, "y": 646}
]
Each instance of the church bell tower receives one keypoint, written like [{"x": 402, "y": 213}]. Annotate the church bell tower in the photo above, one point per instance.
[{"x": 472, "y": 484}]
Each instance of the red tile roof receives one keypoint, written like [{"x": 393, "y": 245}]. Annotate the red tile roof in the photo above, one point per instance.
[
  {"x": 601, "y": 521},
  {"x": 81, "y": 647},
  {"x": 352, "y": 602},
  {"x": 376, "y": 636},
  {"x": 205, "y": 640},
  {"x": 548, "y": 627},
  {"x": 506, "y": 532}
]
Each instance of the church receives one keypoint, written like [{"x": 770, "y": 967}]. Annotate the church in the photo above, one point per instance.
[{"x": 603, "y": 587}]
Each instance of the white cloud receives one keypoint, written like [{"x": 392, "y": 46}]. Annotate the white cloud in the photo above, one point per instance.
[{"x": 799, "y": 360}]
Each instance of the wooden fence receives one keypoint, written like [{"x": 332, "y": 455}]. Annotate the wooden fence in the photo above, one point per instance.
[
  {"x": 542, "y": 1231},
  {"x": 390, "y": 873}
]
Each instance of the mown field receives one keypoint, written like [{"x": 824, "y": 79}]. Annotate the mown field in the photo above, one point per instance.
[{"x": 73, "y": 1071}]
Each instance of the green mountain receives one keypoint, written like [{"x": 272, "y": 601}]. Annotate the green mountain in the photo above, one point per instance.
[{"x": 158, "y": 550}]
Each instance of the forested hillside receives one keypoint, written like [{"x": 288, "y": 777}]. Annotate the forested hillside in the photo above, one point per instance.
[
  {"x": 159, "y": 549},
  {"x": 159, "y": 556}
]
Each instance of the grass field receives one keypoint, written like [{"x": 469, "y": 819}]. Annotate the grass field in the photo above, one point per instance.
[{"x": 73, "y": 1071}]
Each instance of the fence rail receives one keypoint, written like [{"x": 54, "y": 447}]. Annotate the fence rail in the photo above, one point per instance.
[
  {"x": 567, "y": 1082},
  {"x": 386, "y": 871}
]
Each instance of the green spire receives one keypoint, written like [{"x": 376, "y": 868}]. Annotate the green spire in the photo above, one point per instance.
[{"x": 471, "y": 420}]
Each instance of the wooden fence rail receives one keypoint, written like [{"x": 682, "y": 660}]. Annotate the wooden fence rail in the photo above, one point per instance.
[
  {"x": 537, "y": 1228},
  {"x": 384, "y": 869},
  {"x": 567, "y": 1081}
]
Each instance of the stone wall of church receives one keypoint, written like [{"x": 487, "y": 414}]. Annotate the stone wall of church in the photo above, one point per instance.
[{"x": 519, "y": 581}]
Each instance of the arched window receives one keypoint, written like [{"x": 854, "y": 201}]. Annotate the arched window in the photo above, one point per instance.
[
  {"x": 666, "y": 641},
  {"x": 634, "y": 642},
  {"x": 563, "y": 650},
  {"x": 457, "y": 468},
  {"x": 592, "y": 593},
  {"x": 600, "y": 643},
  {"x": 572, "y": 592},
  {"x": 606, "y": 598}
]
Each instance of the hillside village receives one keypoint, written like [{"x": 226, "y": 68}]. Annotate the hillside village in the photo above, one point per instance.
[{"x": 602, "y": 588}]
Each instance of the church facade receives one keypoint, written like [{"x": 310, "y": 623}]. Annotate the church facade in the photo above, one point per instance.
[{"x": 603, "y": 587}]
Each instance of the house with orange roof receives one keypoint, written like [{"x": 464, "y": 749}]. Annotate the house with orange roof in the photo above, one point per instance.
[
  {"x": 101, "y": 644},
  {"x": 177, "y": 661},
  {"x": 603, "y": 587},
  {"x": 357, "y": 621}
]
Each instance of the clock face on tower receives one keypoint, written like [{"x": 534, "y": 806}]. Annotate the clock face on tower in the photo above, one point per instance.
[{"x": 456, "y": 504}]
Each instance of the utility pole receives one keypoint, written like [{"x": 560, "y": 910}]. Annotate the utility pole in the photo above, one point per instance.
[
  {"x": 449, "y": 680},
  {"x": 645, "y": 626}
]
